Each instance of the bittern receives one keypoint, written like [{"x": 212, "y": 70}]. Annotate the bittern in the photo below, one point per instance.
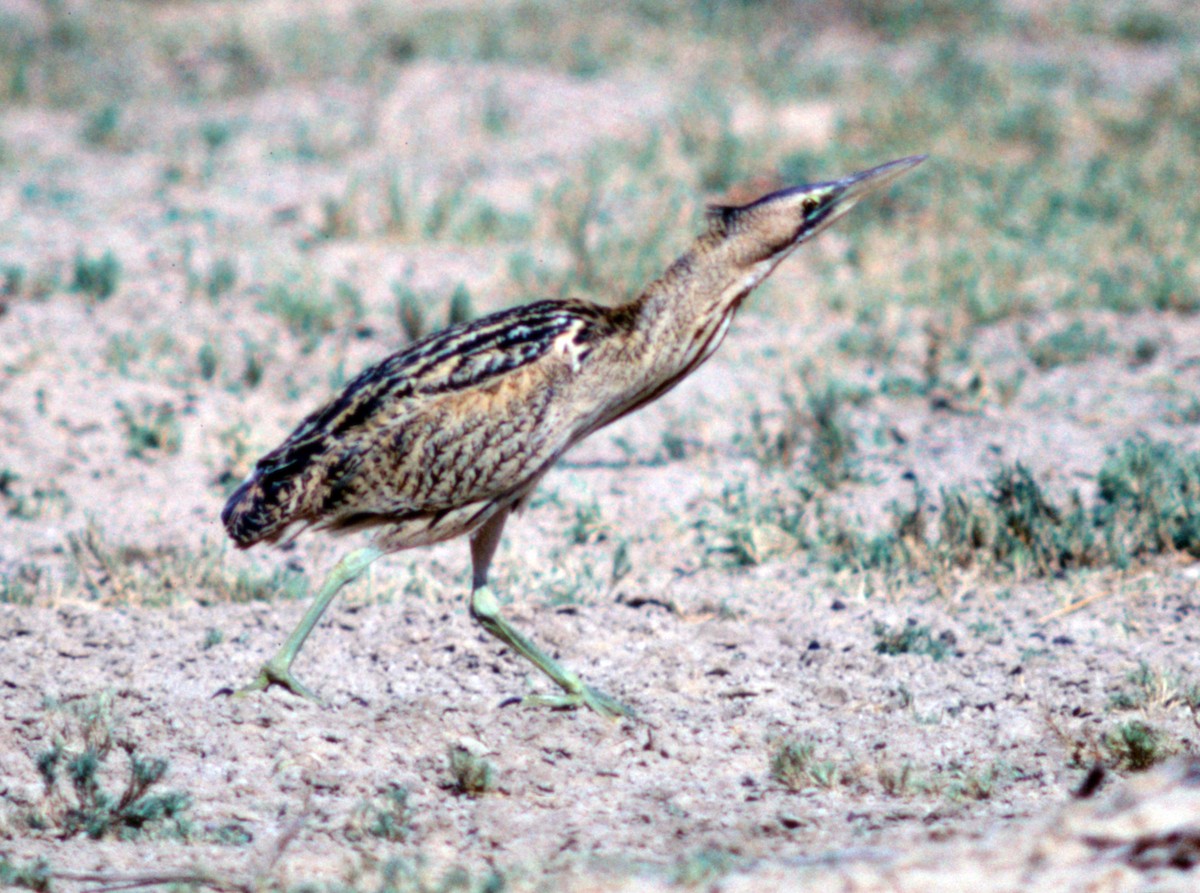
[{"x": 452, "y": 434}]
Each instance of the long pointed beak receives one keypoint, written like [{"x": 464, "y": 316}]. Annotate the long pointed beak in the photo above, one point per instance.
[
  {"x": 837, "y": 197},
  {"x": 855, "y": 186}
]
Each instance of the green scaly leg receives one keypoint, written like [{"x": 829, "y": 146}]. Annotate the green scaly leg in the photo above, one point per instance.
[
  {"x": 278, "y": 670},
  {"x": 486, "y": 610}
]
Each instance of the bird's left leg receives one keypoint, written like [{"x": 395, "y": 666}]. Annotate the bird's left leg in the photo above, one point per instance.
[
  {"x": 278, "y": 670},
  {"x": 485, "y": 609}
]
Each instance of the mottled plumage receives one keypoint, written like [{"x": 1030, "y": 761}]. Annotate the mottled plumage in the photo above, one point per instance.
[
  {"x": 399, "y": 447},
  {"x": 449, "y": 435}
]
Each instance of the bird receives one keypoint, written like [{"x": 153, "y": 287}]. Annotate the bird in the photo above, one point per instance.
[{"x": 452, "y": 434}]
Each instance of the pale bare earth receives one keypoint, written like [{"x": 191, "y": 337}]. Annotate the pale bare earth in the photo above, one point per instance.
[{"x": 721, "y": 664}]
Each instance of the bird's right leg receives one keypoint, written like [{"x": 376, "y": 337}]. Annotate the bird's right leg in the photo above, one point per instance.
[
  {"x": 485, "y": 609},
  {"x": 278, "y": 670}
]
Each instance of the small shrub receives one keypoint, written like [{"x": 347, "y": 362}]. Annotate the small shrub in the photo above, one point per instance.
[
  {"x": 1070, "y": 346},
  {"x": 460, "y": 306},
  {"x": 386, "y": 817},
  {"x": 34, "y": 875},
  {"x": 96, "y": 278},
  {"x": 102, "y": 127},
  {"x": 77, "y": 776},
  {"x": 913, "y": 639},
  {"x": 470, "y": 774},
  {"x": 1135, "y": 746},
  {"x": 795, "y": 766},
  {"x": 410, "y": 311},
  {"x": 150, "y": 428},
  {"x": 222, "y": 276},
  {"x": 834, "y": 446}
]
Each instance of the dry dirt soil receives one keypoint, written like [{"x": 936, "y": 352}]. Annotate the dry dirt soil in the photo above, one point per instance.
[{"x": 949, "y": 767}]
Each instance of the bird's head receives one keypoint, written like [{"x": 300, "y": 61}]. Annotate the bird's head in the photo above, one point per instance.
[{"x": 764, "y": 232}]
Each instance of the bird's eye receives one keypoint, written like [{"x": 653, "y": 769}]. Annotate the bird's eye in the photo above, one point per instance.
[{"x": 808, "y": 206}]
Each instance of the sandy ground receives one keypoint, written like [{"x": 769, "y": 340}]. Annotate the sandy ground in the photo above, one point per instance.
[{"x": 950, "y": 774}]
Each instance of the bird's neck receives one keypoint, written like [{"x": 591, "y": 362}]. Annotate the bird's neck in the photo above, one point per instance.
[{"x": 683, "y": 315}]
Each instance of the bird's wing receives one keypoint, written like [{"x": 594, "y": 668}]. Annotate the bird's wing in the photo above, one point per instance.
[{"x": 453, "y": 418}]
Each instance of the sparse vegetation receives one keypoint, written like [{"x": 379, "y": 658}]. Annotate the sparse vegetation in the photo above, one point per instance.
[
  {"x": 32, "y": 875},
  {"x": 705, "y": 867},
  {"x": 794, "y": 765},
  {"x": 1151, "y": 688},
  {"x": 1131, "y": 745},
  {"x": 31, "y": 502},
  {"x": 1135, "y": 746},
  {"x": 310, "y": 314},
  {"x": 775, "y": 446},
  {"x": 956, "y": 782},
  {"x": 123, "y": 574},
  {"x": 471, "y": 774},
  {"x": 96, "y": 277},
  {"x": 78, "y": 778},
  {"x": 388, "y": 816},
  {"x": 412, "y": 308},
  {"x": 832, "y": 449},
  {"x": 150, "y": 429},
  {"x": 1148, "y": 504},
  {"x": 589, "y": 525},
  {"x": 912, "y": 638},
  {"x": 1073, "y": 345}
]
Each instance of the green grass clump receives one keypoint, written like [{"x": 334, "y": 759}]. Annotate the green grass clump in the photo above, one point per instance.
[
  {"x": 307, "y": 311},
  {"x": 794, "y": 765},
  {"x": 833, "y": 447},
  {"x": 1148, "y": 503},
  {"x": 132, "y": 574},
  {"x": 1136, "y": 746},
  {"x": 819, "y": 420},
  {"x": 1015, "y": 525},
  {"x": 78, "y": 778},
  {"x": 33, "y": 875},
  {"x": 1149, "y": 500},
  {"x": 747, "y": 529},
  {"x": 470, "y": 774},
  {"x": 912, "y": 639},
  {"x": 386, "y": 817},
  {"x": 1072, "y": 345},
  {"x": 150, "y": 429},
  {"x": 96, "y": 277}
]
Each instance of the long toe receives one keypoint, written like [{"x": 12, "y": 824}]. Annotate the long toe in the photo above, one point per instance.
[
  {"x": 271, "y": 674},
  {"x": 585, "y": 697}
]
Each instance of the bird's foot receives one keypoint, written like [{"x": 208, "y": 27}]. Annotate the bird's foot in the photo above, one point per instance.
[
  {"x": 273, "y": 673},
  {"x": 583, "y": 696}
]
